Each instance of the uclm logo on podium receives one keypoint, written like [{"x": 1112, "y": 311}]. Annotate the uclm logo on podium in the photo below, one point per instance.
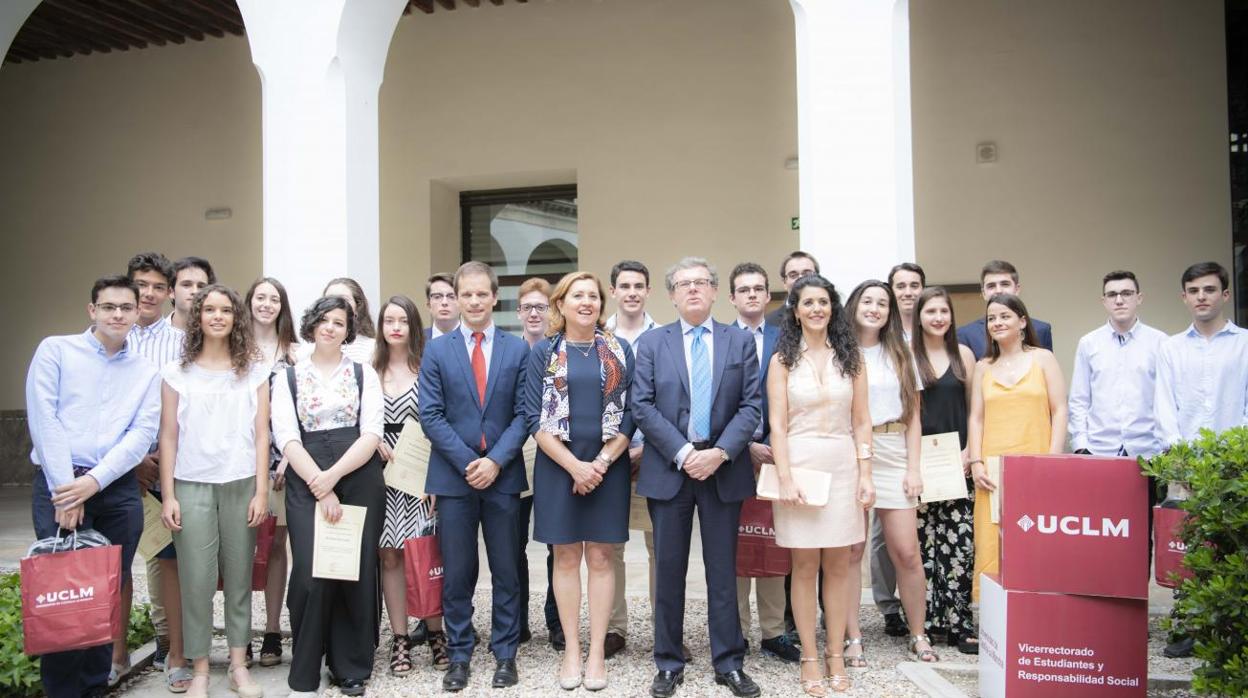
[{"x": 1083, "y": 539}]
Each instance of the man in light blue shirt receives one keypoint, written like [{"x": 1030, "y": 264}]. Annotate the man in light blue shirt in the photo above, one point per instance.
[
  {"x": 1202, "y": 375},
  {"x": 93, "y": 407}
]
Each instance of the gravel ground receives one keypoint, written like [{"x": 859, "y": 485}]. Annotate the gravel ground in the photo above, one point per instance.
[{"x": 629, "y": 673}]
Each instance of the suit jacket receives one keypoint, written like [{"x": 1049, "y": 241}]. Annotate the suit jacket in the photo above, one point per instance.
[
  {"x": 771, "y": 335},
  {"x": 660, "y": 406},
  {"x": 975, "y": 335},
  {"x": 454, "y": 420},
  {"x": 775, "y": 317}
]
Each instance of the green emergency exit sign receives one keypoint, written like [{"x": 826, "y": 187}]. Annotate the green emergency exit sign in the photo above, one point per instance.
[{"x": 795, "y": 223}]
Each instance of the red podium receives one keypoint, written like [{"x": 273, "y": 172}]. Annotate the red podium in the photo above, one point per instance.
[{"x": 1068, "y": 614}]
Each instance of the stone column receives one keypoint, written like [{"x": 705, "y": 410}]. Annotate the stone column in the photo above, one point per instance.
[
  {"x": 853, "y": 117},
  {"x": 321, "y": 64}
]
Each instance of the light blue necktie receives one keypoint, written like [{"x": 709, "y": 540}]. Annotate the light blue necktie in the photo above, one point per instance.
[{"x": 700, "y": 384}]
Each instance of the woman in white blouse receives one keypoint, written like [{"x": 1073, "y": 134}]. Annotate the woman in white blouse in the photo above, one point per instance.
[
  {"x": 893, "y": 391},
  {"x": 214, "y": 468},
  {"x": 327, "y": 421}
]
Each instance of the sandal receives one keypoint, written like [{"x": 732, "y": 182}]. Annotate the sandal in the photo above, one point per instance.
[
  {"x": 191, "y": 691},
  {"x": 838, "y": 682},
  {"x": 400, "y": 656},
  {"x": 250, "y": 689},
  {"x": 437, "y": 650},
  {"x": 928, "y": 655},
  {"x": 178, "y": 679},
  {"x": 271, "y": 649},
  {"x": 966, "y": 644},
  {"x": 855, "y": 661},
  {"x": 115, "y": 672},
  {"x": 813, "y": 687}
]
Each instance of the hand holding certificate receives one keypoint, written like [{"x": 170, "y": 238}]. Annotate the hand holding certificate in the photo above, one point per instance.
[
  {"x": 406, "y": 472},
  {"x": 336, "y": 546},
  {"x": 940, "y": 464}
]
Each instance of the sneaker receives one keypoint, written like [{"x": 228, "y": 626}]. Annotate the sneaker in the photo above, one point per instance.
[
  {"x": 781, "y": 648},
  {"x": 162, "y": 652}
]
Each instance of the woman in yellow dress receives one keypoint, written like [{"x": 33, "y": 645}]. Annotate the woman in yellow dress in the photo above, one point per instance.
[{"x": 1018, "y": 406}]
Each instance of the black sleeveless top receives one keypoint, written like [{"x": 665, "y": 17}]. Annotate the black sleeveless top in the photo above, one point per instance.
[{"x": 944, "y": 407}]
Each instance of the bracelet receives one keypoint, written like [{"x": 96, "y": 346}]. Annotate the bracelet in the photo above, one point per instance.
[
  {"x": 973, "y": 462},
  {"x": 603, "y": 459},
  {"x": 865, "y": 452}
]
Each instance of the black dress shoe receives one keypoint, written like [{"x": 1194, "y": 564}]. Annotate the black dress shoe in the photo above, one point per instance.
[
  {"x": 456, "y": 678},
  {"x": 612, "y": 645},
  {"x": 685, "y": 653},
  {"x": 351, "y": 687},
  {"x": 665, "y": 683},
  {"x": 894, "y": 626},
  {"x": 505, "y": 674},
  {"x": 557, "y": 640},
  {"x": 1180, "y": 648},
  {"x": 738, "y": 682},
  {"x": 525, "y": 635},
  {"x": 419, "y": 634}
]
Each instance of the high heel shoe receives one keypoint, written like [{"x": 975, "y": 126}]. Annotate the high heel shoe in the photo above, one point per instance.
[
  {"x": 858, "y": 661},
  {"x": 245, "y": 690},
  {"x": 837, "y": 682},
  {"x": 595, "y": 684},
  {"x": 812, "y": 687},
  {"x": 569, "y": 683}
]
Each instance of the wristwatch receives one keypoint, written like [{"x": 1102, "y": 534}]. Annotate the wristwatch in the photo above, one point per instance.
[{"x": 723, "y": 455}]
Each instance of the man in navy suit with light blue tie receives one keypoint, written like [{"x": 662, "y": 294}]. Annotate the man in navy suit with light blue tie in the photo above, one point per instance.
[
  {"x": 696, "y": 397},
  {"x": 471, "y": 409}
]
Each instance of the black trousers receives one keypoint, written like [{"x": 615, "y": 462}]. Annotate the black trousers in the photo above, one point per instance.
[{"x": 330, "y": 618}]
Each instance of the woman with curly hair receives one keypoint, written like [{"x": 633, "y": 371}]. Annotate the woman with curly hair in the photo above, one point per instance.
[
  {"x": 214, "y": 473},
  {"x": 576, "y": 406},
  {"x": 817, "y": 390}
]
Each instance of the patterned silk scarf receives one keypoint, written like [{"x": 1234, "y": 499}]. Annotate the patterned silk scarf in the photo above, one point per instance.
[{"x": 612, "y": 371}]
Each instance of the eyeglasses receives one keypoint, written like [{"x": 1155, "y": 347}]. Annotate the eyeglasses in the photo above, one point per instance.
[
  {"x": 439, "y": 297},
  {"x": 110, "y": 308},
  {"x": 746, "y": 290},
  {"x": 798, "y": 273},
  {"x": 527, "y": 308},
  {"x": 1115, "y": 295},
  {"x": 692, "y": 283}
]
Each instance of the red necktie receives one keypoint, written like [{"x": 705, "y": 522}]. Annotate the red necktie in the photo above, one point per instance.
[{"x": 478, "y": 372}]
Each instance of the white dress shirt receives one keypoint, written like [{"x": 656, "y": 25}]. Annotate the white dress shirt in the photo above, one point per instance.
[
  {"x": 1201, "y": 383},
  {"x": 687, "y": 338},
  {"x": 216, "y": 422},
  {"x": 1111, "y": 391},
  {"x": 487, "y": 345},
  {"x": 335, "y": 404},
  {"x": 647, "y": 324}
]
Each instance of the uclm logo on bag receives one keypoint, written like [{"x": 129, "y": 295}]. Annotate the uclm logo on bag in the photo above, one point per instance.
[
  {"x": 1076, "y": 525},
  {"x": 756, "y": 530},
  {"x": 63, "y": 597},
  {"x": 1177, "y": 546},
  {"x": 435, "y": 572}
]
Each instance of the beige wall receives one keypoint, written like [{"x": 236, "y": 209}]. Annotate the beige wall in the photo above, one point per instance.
[
  {"x": 1111, "y": 123},
  {"x": 675, "y": 119}
]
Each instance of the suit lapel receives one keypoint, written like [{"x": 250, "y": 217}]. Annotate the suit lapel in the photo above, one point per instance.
[
  {"x": 461, "y": 357},
  {"x": 496, "y": 362},
  {"x": 771, "y": 335},
  {"x": 720, "y": 350},
  {"x": 676, "y": 351}
]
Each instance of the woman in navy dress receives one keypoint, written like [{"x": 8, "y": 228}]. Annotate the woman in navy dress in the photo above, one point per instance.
[{"x": 576, "y": 406}]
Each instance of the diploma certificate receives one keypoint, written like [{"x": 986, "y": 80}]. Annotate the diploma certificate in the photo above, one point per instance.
[
  {"x": 529, "y": 452},
  {"x": 336, "y": 547},
  {"x": 940, "y": 464},
  {"x": 406, "y": 472},
  {"x": 638, "y": 512},
  {"x": 155, "y": 536},
  {"x": 993, "y": 465}
]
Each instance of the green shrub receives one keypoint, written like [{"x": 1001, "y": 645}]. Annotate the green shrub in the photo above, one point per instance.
[
  {"x": 1212, "y": 606},
  {"x": 19, "y": 674}
]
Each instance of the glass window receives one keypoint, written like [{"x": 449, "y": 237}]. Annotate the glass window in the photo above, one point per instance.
[{"x": 521, "y": 233}]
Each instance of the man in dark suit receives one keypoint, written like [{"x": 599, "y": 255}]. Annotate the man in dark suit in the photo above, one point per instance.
[
  {"x": 696, "y": 397},
  {"x": 998, "y": 276},
  {"x": 471, "y": 409},
  {"x": 748, "y": 293},
  {"x": 796, "y": 265},
  {"x": 442, "y": 304}
]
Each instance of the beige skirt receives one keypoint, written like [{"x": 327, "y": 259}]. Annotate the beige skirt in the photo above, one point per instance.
[{"x": 888, "y": 468}]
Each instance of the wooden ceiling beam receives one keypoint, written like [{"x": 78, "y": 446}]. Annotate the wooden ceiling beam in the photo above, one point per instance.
[
  {"x": 156, "y": 11},
  {"x": 497, "y": 3},
  {"x": 218, "y": 14},
  {"x": 425, "y": 6},
  {"x": 448, "y": 4},
  {"x": 78, "y": 16},
  {"x": 19, "y": 54},
  {"x": 472, "y": 3},
  {"x": 58, "y": 36},
  {"x": 124, "y": 11},
  {"x": 27, "y": 44}
]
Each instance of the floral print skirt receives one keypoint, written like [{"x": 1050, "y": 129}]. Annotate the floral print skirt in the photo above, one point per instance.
[{"x": 947, "y": 543}]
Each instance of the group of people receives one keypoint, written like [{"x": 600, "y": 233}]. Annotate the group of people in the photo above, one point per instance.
[{"x": 218, "y": 409}]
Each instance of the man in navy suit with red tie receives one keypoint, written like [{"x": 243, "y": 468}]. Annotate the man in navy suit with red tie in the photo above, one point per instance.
[
  {"x": 471, "y": 408},
  {"x": 696, "y": 396}
]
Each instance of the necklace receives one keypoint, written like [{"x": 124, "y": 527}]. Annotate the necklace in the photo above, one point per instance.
[{"x": 578, "y": 346}]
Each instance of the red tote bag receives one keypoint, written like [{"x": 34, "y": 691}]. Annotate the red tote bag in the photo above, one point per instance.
[
  {"x": 1168, "y": 547},
  {"x": 260, "y": 563},
  {"x": 71, "y": 600},
  {"x": 757, "y": 552},
  {"x": 422, "y": 563}
]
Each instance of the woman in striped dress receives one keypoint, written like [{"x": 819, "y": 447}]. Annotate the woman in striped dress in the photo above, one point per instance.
[{"x": 397, "y": 361}]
